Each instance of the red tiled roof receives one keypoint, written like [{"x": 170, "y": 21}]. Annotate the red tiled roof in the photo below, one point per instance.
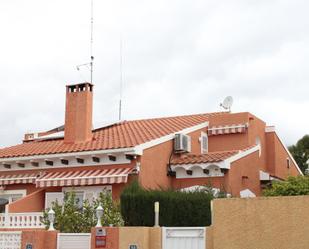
[
  {"x": 122, "y": 135},
  {"x": 210, "y": 157}
]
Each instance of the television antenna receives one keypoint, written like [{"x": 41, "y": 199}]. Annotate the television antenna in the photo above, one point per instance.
[
  {"x": 227, "y": 103},
  {"x": 121, "y": 78},
  {"x": 89, "y": 65}
]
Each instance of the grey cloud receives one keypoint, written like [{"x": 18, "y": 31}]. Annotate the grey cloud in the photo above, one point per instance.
[{"x": 180, "y": 57}]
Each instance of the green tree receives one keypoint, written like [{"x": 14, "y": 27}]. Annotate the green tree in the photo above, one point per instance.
[
  {"x": 298, "y": 185},
  {"x": 70, "y": 218},
  {"x": 300, "y": 152}
]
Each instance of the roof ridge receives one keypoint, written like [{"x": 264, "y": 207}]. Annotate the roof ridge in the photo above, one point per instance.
[{"x": 158, "y": 118}]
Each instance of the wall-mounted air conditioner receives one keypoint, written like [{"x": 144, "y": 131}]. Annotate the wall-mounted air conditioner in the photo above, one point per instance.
[{"x": 182, "y": 143}]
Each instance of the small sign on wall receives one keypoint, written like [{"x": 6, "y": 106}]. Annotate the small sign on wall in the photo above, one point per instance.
[
  {"x": 133, "y": 247},
  {"x": 29, "y": 246}
]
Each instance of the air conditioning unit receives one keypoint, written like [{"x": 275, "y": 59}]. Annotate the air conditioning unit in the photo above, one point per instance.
[{"x": 182, "y": 143}]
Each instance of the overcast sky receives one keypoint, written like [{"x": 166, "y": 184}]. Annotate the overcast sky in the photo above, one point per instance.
[{"x": 180, "y": 57}]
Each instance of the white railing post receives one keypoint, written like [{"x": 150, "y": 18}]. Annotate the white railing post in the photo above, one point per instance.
[{"x": 6, "y": 216}]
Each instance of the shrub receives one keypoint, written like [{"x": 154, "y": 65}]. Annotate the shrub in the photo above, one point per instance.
[
  {"x": 298, "y": 185},
  {"x": 176, "y": 208},
  {"x": 69, "y": 218}
]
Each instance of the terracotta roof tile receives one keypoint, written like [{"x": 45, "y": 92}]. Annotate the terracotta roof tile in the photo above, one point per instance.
[
  {"x": 210, "y": 157},
  {"x": 122, "y": 135}
]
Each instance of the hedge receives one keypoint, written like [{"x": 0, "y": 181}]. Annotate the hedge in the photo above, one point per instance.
[{"x": 176, "y": 208}]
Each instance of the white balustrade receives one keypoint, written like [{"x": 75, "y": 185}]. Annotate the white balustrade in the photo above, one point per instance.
[{"x": 21, "y": 220}]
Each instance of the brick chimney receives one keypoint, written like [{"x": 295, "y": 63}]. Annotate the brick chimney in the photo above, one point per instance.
[{"x": 78, "y": 113}]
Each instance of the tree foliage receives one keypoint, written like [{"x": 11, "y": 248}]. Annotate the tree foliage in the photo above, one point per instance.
[
  {"x": 300, "y": 152},
  {"x": 69, "y": 218},
  {"x": 176, "y": 208},
  {"x": 298, "y": 185}
]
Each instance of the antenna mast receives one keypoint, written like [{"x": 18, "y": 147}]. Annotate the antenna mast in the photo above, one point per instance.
[
  {"x": 91, "y": 44},
  {"x": 89, "y": 64},
  {"x": 121, "y": 78}
]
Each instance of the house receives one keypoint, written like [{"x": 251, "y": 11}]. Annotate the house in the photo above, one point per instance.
[{"x": 235, "y": 152}]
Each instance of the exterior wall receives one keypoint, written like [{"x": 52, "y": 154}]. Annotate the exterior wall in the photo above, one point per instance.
[
  {"x": 244, "y": 174},
  {"x": 112, "y": 238},
  {"x": 263, "y": 223},
  {"x": 232, "y": 141},
  {"x": 154, "y": 163},
  {"x": 40, "y": 239},
  {"x": 122, "y": 237},
  {"x": 271, "y": 153},
  {"x": 277, "y": 160},
  {"x": 30, "y": 188},
  {"x": 209, "y": 238},
  {"x": 195, "y": 141},
  {"x": 31, "y": 203},
  {"x": 257, "y": 131}
]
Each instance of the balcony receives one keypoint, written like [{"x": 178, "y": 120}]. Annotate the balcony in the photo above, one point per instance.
[{"x": 21, "y": 220}]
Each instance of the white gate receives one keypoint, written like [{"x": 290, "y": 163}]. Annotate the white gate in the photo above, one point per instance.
[
  {"x": 10, "y": 240},
  {"x": 74, "y": 241},
  {"x": 184, "y": 237}
]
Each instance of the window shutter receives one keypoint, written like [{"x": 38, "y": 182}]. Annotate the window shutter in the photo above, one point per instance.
[{"x": 204, "y": 143}]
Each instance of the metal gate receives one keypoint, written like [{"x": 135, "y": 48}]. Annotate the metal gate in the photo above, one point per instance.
[
  {"x": 74, "y": 241},
  {"x": 10, "y": 240},
  {"x": 184, "y": 237}
]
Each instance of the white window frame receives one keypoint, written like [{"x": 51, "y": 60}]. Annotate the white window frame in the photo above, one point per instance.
[
  {"x": 22, "y": 192},
  {"x": 95, "y": 190},
  {"x": 203, "y": 135}
]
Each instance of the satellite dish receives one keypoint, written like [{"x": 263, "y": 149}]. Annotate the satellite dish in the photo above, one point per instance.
[{"x": 227, "y": 103}]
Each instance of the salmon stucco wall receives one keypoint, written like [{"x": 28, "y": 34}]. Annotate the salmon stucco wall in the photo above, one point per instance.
[
  {"x": 229, "y": 141},
  {"x": 39, "y": 239},
  {"x": 263, "y": 223},
  {"x": 257, "y": 135},
  {"x": 123, "y": 237},
  {"x": 31, "y": 203},
  {"x": 244, "y": 174},
  {"x": 154, "y": 161},
  {"x": 30, "y": 188},
  {"x": 277, "y": 158}
]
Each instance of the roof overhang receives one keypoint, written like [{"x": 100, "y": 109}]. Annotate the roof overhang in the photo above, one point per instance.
[
  {"x": 224, "y": 164},
  {"x": 132, "y": 151}
]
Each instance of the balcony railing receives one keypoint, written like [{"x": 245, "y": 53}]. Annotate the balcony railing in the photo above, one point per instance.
[{"x": 21, "y": 220}]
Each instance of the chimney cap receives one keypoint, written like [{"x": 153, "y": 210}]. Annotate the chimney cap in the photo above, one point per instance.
[
  {"x": 80, "y": 87},
  {"x": 78, "y": 84}
]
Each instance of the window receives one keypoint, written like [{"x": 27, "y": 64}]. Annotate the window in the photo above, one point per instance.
[
  {"x": 204, "y": 143},
  {"x": 79, "y": 199},
  {"x": 9, "y": 198},
  {"x": 87, "y": 193}
]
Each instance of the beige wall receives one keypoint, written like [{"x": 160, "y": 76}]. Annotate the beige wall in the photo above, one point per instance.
[
  {"x": 261, "y": 223},
  {"x": 143, "y": 237}
]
